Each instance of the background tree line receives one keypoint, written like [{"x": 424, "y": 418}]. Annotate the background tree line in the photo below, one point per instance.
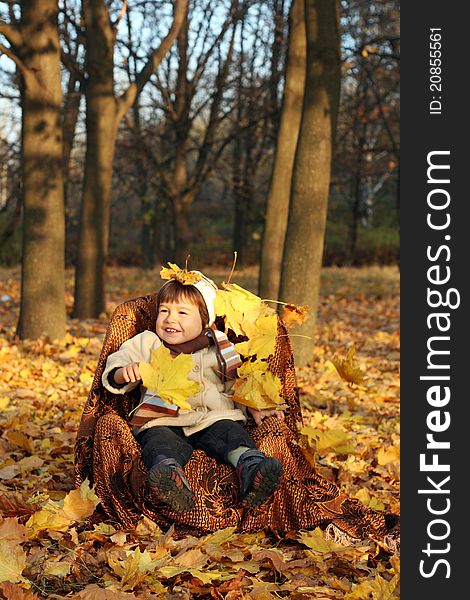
[{"x": 140, "y": 132}]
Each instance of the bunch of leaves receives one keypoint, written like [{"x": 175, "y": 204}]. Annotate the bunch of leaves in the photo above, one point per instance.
[
  {"x": 182, "y": 275},
  {"x": 169, "y": 376},
  {"x": 248, "y": 315},
  {"x": 240, "y": 308},
  {"x": 257, "y": 387}
]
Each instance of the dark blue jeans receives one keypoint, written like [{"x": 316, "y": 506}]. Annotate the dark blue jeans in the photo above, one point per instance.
[{"x": 217, "y": 441}]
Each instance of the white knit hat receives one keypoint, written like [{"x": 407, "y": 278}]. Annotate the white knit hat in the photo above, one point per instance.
[{"x": 208, "y": 290}]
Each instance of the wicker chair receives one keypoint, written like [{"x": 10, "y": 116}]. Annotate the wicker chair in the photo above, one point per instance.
[{"x": 107, "y": 454}]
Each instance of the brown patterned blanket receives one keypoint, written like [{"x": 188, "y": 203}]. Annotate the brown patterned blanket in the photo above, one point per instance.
[{"x": 107, "y": 454}]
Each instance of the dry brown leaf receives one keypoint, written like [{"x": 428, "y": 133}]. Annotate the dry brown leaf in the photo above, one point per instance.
[
  {"x": 12, "y": 561},
  {"x": 9, "y": 471},
  {"x": 12, "y": 591},
  {"x": 95, "y": 592},
  {"x": 11, "y": 530},
  {"x": 20, "y": 439},
  {"x": 14, "y": 506},
  {"x": 348, "y": 369},
  {"x": 276, "y": 557},
  {"x": 293, "y": 314},
  {"x": 194, "y": 559}
]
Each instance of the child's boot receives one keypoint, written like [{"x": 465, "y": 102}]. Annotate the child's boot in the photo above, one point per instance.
[
  {"x": 259, "y": 477},
  {"x": 168, "y": 483}
]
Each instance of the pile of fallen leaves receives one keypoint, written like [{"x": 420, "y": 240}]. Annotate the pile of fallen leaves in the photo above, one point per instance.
[{"x": 350, "y": 400}]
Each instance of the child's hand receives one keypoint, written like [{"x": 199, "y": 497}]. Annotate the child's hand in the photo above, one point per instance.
[
  {"x": 259, "y": 415},
  {"x": 128, "y": 374}
]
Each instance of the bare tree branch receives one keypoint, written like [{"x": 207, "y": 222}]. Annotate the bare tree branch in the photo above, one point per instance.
[
  {"x": 156, "y": 57},
  {"x": 18, "y": 62},
  {"x": 72, "y": 65},
  {"x": 120, "y": 15},
  {"x": 12, "y": 34}
]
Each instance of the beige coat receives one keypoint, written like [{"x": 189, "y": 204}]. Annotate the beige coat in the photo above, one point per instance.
[{"x": 212, "y": 403}]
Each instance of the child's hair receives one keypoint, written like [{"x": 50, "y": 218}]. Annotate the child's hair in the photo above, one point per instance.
[{"x": 174, "y": 291}]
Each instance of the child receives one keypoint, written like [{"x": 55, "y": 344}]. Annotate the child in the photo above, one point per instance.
[{"x": 185, "y": 314}]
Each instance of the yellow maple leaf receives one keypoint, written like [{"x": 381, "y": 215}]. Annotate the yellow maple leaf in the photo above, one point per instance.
[
  {"x": 80, "y": 503},
  {"x": 168, "y": 377},
  {"x": 331, "y": 440},
  {"x": 182, "y": 275},
  {"x": 54, "y": 568},
  {"x": 390, "y": 455},
  {"x": 219, "y": 537},
  {"x": 262, "y": 337},
  {"x": 379, "y": 589},
  {"x": 133, "y": 568},
  {"x": 58, "y": 516},
  {"x": 204, "y": 576},
  {"x": 239, "y": 307},
  {"x": 348, "y": 369},
  {"x": 257, "y": 387},
  {"x": 317, "y": 543},
  {"x": 49, "y": 518},
  {"x": 370, "y": 501},
  {"x": 12, "y": 561}
]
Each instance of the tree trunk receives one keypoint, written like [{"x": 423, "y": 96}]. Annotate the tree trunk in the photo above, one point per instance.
[
  {"x": 276, "y": 59},
  {"x": 180, "y": 199},
  {"x": 277, "y": 205},
  {"x": 239, "y": 198},
  {"x": 101, "y": 125},
  {"x": 357, "y": 198},
  {"x": 94, "y": 219},
  {"x": 69, "y": 120},
  {"x": 104, "y": 112},
  {"x": 42, "y": 309},
  {"x": 302, "y": 260},
  {"x": 182, "y": 232}
]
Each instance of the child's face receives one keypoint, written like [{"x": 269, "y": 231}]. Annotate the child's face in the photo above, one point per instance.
[{"x": 178, "y": 322}]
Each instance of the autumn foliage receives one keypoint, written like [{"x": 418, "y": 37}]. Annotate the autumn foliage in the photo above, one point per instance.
[{"x": 54, "y": 545}]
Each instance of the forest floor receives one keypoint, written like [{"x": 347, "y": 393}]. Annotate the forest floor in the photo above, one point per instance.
[{"x": 45, "y": 552}]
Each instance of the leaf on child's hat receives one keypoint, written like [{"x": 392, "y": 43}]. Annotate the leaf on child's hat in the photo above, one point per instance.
[
  {"x": 257, "y": 387},
  {"x": 182, "y": 275},
  {"x": 348, "y": 369},
  {"x": 293, "y": 314},
  {"x": 168, "y": 377},
  {"x": 239, "y": 307},
  {"x": 262, "y": 337}
]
